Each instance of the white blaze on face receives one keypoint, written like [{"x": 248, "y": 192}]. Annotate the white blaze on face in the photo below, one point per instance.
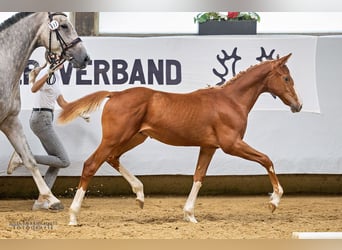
[{"x": 300, "y": 99}]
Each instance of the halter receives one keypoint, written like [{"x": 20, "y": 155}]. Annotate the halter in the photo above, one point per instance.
[{"x": 54, "y": 25}]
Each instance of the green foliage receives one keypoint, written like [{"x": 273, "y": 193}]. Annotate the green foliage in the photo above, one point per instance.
[{"x": 207, "y": 16}]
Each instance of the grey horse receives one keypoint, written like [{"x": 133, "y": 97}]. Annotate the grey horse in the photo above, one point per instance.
[{"x": 20, "y": 35}]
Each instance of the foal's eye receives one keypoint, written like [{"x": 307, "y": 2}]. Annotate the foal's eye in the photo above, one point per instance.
[{"x": 286, "y": 79}]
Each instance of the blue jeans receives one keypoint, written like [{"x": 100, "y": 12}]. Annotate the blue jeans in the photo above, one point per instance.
[{"x": 41, "y": 123}]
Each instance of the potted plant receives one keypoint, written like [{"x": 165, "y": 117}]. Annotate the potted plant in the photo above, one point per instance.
[{"x": 229, "y": 23}]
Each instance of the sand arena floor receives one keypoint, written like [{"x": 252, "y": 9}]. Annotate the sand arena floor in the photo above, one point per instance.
[{"x": 243, "y": 217}]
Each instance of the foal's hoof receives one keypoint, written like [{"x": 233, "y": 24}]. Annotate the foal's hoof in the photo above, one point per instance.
[
  {"x": 190, "y": 218},
  {"x": 272, "y": 207},
  {"x": 56, "y": 207},
  {"x": 140, "y": 203},
  {"x": 73, "y": 223}
]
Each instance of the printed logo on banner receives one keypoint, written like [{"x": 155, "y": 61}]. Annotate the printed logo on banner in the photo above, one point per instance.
[
  {"x": 118, "y": 72},
  {"x": 149, "y": 72},
  {"x": 152, "y": 72},
  {"x": 265, "y": 56},
  {"x": 225, "y": 75}
]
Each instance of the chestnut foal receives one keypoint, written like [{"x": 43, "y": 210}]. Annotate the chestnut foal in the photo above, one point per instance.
[{"x": 210, "y": 118}]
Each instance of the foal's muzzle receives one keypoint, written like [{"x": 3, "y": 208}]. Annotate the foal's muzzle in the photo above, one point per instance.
[{"x": 296, "y": 107}]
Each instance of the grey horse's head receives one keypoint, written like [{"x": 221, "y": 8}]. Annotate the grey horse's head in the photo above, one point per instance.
[{"x": 59, "y": 37}]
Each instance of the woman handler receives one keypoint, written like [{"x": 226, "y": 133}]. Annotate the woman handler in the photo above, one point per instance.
[{"x": 47, "y": 91}]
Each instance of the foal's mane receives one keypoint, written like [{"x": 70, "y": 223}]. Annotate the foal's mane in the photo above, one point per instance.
[
  {"x": 13, "y": 19},
  {"x": 241, "y": 73}
]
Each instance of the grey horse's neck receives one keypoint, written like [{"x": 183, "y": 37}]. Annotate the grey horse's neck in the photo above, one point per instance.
[{"x": 18, "y": 41}]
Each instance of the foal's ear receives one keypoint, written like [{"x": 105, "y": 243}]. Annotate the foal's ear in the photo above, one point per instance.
[{"x": 283, "y": 60}]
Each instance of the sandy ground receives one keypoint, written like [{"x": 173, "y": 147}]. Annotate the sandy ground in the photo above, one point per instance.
[{"x": 162, "y": 218}]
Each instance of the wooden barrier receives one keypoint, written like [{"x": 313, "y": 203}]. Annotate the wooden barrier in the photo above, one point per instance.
[{"x": 65, "y": 186}]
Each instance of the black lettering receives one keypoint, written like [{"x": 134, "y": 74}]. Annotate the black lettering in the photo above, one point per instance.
[
  {"x": 173, "y": 78},
  {"x": 137, "y": 73},
  {"x": 101, "y": 67},
  {"x": 157, "y": 72},
  {"x": 79, "y": 74},
  {"x": 119, "y": 69},
  {"x": 66, "y": 74}
]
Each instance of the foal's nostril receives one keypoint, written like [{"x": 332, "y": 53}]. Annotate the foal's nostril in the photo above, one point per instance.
[{"x": 300, "y": 107}]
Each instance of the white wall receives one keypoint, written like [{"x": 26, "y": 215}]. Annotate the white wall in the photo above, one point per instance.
[{"x": 182, "y": 22}]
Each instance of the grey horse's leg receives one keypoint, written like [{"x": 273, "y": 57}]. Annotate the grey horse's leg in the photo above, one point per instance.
[{"x": 15, "y": 134}]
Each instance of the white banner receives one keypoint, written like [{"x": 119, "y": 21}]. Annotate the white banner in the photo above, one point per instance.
[
  {"x": 177, "y": 64},
  {"x": 184, "y": 64}
]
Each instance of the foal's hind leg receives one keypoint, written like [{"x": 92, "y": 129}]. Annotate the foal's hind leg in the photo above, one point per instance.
[
  {"x": 113, "y": 160},
  {"x": 242, "y": 149},
  {"x": 136, "y": 184},
  {"x": 14, "y": 132}
]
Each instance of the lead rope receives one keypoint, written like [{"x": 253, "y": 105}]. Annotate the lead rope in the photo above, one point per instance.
[{"x": 51, "y": 77}]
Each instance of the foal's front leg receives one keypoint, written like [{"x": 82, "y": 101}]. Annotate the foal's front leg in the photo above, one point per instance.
[
  {"x": 245, "y": 151},
  {"x": 204, "y": 159}
]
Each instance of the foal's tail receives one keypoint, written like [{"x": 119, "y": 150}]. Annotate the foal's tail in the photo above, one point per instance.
[{"x": 84, "y": 105}]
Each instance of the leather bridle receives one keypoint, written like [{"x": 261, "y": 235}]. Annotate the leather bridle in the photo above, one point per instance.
[{"x": 54, "y": 25}]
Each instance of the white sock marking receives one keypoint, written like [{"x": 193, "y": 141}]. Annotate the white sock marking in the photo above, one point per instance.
[
  {"x": 189, "y": 207},
  {"x": 76, "y": 206},
  {"x": 137, "y": 186}
]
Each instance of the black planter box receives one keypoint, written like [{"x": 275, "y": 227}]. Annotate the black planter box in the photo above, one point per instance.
[{"x": 233, "y": 27}]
